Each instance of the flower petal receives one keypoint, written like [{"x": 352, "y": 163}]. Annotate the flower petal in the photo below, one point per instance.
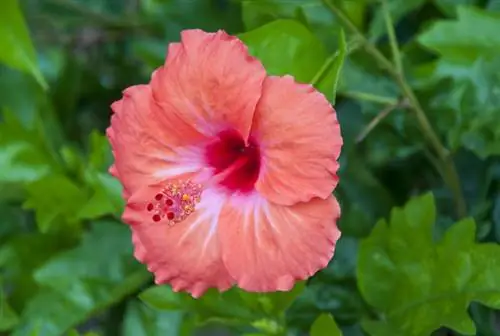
[
  {"x": 147, "y": 148},
  {"x": 210, "y": 81},
  {"x": 267, "y": 247},
  {"x": 300, "y": 142},
  {"x": 186, "y": 254}
]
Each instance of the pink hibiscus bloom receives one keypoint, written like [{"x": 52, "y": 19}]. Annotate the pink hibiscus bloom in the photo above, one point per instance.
[{"x": 228, "y": 173}]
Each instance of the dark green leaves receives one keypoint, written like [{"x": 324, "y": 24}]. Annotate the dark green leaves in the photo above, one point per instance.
[
  {"x": 8, "y": 317},
  {"x": 141, "y": 320},
  {"x": 16, "y": 49},
  {"x": 67, "y": 267},
  {"x": 468, "y": 70},
  {"x": 420, "y": 285},
  {"x": 80, "y": 282},
  {"x": 23, "y": 156},
  {"x": 263, "y": 312},
  {"x": 458, "y": 39},
  {"x": 56, "y": 200}
]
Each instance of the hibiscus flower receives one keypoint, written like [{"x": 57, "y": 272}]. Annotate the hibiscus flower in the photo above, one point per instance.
[{"x": 227, "y": 173}]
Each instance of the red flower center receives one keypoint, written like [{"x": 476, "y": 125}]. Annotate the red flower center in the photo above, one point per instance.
[{"x": 242, "y": 161}]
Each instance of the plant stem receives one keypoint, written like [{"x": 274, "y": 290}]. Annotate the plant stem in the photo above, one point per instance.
[
  {"x": 393, "y": 41},
  {"x": 370, "y": 97},
  {"x": 450, "y": 175},
  {"x": 375, "y": 121}
]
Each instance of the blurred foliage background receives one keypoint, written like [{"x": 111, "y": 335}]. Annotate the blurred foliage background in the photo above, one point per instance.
[{"x": 416, "y": 87}]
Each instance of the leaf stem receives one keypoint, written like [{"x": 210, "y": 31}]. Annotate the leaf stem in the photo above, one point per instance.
[
  {"x": 378, "y": 118},
  {"x": 396, "y": 54},
  {"x": 450, "y": 175},
  {"x": 369, "y": 97}
]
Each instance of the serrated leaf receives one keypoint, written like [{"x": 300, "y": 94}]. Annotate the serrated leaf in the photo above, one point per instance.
[
  {"x": 325, "y": 325},
  {"x": 75, "y": 283},
  {"x": 227, "y": 307},
  {"x": 469, "y": 105},
  {"x": 459, "y": 39},
  {"x": 163, "y": 298},
  {"x": 420, "y": 285},
  {"x": 56, "y": 200},
  {"x": 141, "y": 320},
  {"x": 286, "y": 47},
  {"x": 16, "y": 49},
  {"x": 274, "y": 304}
]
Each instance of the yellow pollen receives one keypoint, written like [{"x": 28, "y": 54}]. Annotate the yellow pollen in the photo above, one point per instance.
[{"x": 175, "y": 202}]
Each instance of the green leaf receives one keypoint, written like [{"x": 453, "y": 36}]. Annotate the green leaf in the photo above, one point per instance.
[
  {"x": 21, "y": 255},
  {"x": 23, "y": 156},
  {"x": 420, "y": 285},
  {"x": 8, "y": 317},
  {"x": 359, "y": 76},
  {"x": 227, "y": 307},
  {"x": 309, "y": 12},
  {"x": 78, "y": 283},
  {"x": 106, "y": 198},
  {"x": 398, "y": 9},
  {"x": 458, "y": 39},
  {"x": 56, "y": 200},
  {"x": 15, "y": 44},
  {"x": 105, "y": 190},
  {"x": 328, "y": 85},
  {"x": 449, "y": 7},
  {"x": 141, "y": 320},
  {"x": 493, "y": 5},
  {"x": 496, "y": 216},
  {"x": 273, "y": 304},
  {"x": 325, "y": 326},
  {"x": 163, "y": 298},
  {"x": 286, "y": 47},
  {"x": 469, "y": 105}
]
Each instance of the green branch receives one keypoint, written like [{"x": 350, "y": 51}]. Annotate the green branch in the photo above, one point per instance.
[{"x": 449, "y": 172}]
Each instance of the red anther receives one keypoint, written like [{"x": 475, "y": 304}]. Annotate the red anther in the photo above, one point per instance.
[{"x": 175, "y": 202}]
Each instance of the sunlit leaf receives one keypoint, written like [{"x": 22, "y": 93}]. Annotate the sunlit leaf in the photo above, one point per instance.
[
  {"x": 420, "y": 285},
  {"x": 56, "y": 201},
  {"x": 325, "y": 326},
  {"x": 286, "y": 47},
  {"x": 16, "y": 49}
]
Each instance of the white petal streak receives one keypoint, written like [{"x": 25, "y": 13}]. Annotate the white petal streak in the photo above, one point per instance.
[
  {"x": 208, "y": 212},
  {"x": 184, "y": 160}
]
